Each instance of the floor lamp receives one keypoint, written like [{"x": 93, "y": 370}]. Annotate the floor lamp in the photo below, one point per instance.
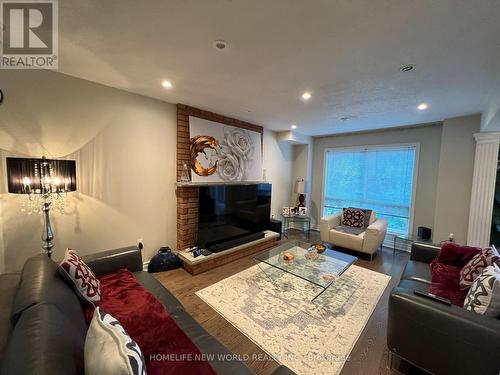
[{"x": 45, "y": 184}]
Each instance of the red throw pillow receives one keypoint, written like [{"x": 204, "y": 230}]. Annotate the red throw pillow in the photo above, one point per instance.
[
  {"x": 81, "y": 277},
  {"x": 476, "y": 265},
  {"x": 456, "y": 255},
  {"x": 445, "y": 283}
]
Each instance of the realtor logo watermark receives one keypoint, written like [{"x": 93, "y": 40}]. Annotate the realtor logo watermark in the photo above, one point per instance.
[{"x": 29, "y": 34}]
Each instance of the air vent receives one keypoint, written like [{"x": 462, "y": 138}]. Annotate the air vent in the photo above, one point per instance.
[{"x": 407, "y": 68}]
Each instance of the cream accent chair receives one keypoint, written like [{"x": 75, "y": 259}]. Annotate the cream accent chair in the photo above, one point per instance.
[{"x": 367, "y": 242}]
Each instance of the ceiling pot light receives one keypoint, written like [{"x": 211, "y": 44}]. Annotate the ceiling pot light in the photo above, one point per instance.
[
  {"x": 306, "y": 95},
  {"x": 220, "y": 45},
  {"x": 294, "y": 126},
  {"x": 167, "y": 84},
  {"x": 422, "y": 106}
]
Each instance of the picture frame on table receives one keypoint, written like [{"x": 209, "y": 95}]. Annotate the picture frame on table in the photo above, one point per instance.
[
  {"x": 285, "y": 211},
  {"x": 302, "y": 211}
]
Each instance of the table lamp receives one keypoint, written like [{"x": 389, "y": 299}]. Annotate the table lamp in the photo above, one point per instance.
[
  {"x": 300, "y": 188},
  {"x": 45, "y": 183}
]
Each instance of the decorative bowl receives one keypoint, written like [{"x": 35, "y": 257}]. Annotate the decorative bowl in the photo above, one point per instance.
[{"x": 320, "y": 248}]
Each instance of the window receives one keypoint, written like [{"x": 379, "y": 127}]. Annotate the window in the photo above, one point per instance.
[{"x": 380, "y": 178}]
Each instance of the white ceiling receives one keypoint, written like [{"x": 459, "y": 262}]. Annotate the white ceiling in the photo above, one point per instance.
[{"x": 346, "y": 52}]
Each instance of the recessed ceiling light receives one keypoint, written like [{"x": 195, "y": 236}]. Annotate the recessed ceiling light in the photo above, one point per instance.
[
  {"x": 294, "y": 126},
  {"x": 422, "y": 106},
  {"x": 306, "y": 95},
  {"x": 167, "y": 84},
  {"x": 220, "y": 45},
  {"x": 407, "y": 68}
]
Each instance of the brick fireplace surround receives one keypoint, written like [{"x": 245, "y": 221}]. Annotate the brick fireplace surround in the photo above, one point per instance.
[{"x": 187, "y": 196}]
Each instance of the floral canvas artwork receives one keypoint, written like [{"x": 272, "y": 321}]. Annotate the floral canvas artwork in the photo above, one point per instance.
[{"x": 224, "y": 153}]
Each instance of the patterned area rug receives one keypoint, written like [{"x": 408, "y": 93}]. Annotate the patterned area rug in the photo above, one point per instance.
[{"x": 308, "y": 337}]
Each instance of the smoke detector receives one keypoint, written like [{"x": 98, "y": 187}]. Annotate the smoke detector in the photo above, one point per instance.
[
  {"x": 220, "y": 45},
  {"x": 407, "y": 68}
]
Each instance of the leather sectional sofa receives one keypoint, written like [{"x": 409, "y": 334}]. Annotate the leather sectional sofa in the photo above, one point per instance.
[
  {"x": 439, "y": 338},
  {"x": 42, "y": 324}
]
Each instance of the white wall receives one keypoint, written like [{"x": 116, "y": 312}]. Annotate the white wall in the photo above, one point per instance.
[
  {"x": 456, "y": 167},
  {"x": 278, "y": 166},
  {"x": 125, "y": 147},
  {"x": 125, "y": 150},
  {"x": 490, "y": 119}
]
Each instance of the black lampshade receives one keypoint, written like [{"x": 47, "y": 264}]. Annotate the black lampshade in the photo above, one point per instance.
[{"x": 40, "y": 176}]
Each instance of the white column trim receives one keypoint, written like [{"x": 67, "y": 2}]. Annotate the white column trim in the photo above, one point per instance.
[{"x": 483, "y": 188}]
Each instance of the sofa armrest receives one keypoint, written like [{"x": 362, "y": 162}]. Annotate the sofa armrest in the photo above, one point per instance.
[
  {"x": 425, "y": 332},
  {"x": 330, "y": 222},
  {"x": 378, "y": 226},
  {"x": 422, "y": 252},
  {"x": 113, "y": 260},
  {"x": 374, "y": 235}
]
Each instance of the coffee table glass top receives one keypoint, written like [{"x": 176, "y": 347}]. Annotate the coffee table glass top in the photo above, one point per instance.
[{"x": 320, "y": 269}]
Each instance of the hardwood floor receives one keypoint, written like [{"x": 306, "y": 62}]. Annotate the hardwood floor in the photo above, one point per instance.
[{"x": 369, "y": 356}]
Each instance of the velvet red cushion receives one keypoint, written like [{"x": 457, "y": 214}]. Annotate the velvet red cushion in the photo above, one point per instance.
[
  {"x": 445, "y": 283},
  {"x": 456, "y": 255},
  {"x": 166, "y": 348}
]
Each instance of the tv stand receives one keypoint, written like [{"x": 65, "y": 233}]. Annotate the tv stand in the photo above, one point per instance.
[
  {"x": 204, "y": 263},
  {"x": 217, "y": 247}
]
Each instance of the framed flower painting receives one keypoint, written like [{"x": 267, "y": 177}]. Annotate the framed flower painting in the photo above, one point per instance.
[{"x": 224, "y": 153}]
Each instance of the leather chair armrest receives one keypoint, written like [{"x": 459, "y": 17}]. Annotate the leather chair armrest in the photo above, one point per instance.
[
  {"x": 113, "y": 260},
  {"x": 442, "y": 339},
  {"x": 422, "y": 252},
  {"x": 329, "y": 222},
  {"x": 374, "y": 235},
  {"x": 283, "y": 370},
  {"x": 326, "y": 224},
  {"x": 378, "y": 226},
  {"x": 332, "y": 220}
]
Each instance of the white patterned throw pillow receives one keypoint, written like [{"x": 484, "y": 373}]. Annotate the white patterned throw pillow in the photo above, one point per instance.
[
  {"x": 484, "y": 294},
  {"x": 109, "y": 350},
  {"x": 76, "y": 272}
]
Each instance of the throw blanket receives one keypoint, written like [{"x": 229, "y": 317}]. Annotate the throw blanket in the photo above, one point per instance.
[{"x": 166, "y": 348}]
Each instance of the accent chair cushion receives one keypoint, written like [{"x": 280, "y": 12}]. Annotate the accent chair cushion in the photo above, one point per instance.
[
  {"x": 484, "y": 294},
  {"x": 80, "y": 276},
  {"x": 476, "y": 265},
  {"x": 109, "y": 350},
  {"x": 456, "y": 255}
]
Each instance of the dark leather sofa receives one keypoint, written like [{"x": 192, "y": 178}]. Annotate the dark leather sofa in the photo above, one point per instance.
[
  {"x": 438, "y": 338},
  {"x": 42, "y": 324}
]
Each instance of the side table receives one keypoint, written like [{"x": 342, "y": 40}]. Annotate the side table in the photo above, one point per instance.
[{"x": 304, "y": 219}]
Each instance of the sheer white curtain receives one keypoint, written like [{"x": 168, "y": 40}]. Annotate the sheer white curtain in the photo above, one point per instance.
[{"x": 377, "y": 177}]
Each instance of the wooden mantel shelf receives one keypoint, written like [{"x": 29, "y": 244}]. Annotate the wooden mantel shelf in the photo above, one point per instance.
[{"x": 191, "y": 184}]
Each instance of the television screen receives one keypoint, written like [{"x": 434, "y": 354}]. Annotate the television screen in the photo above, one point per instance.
[{"x": 227, "y": 212}]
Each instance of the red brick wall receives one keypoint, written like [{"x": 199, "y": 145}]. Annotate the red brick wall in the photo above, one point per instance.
[{"x": 187, "y": 196}]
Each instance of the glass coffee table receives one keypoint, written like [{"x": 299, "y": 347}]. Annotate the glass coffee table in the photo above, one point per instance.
[{"x": 295, "y": 258}]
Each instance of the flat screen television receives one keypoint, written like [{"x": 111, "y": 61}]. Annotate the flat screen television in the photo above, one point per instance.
[{"x": 231, "y": 212}]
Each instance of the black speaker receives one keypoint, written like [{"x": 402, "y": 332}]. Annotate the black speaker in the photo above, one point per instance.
[
  {"x": 275, "y": 226},
  {"x": 424, "y": 233}
]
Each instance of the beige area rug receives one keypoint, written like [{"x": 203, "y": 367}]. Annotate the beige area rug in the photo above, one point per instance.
[{"x": 308, "y": 337}]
